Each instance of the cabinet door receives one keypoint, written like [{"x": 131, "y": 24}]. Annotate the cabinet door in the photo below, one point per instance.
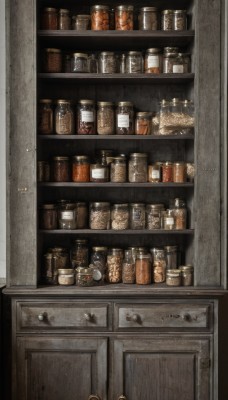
[
  {"x": 60, "y": 368},
  {"x": 161, "y": 369}
]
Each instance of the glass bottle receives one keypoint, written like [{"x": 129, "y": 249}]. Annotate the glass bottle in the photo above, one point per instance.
[
  {"x": 143, "y": 123},
  {"x": 67, "y": 219},
  {"x": 81, "y": 215},
  {"x": 99, "y": 18},
  {"x": 180, "y": 20},
  {"x": 179, "y": 172},
  {"x": 48, "y": 217},
  {"x": 61, "y": 169},
  {"x": 99, "y": 259},
  {"x": 79, "y": 63},
  {"x": 64, "y": 19},
  {"x": 178, "y": 64},
  {"x": 81, "y": 22},
  {"x": 180, "y": 213},
  {"x": 134, "y": 62},
  {"x": 169, "y": 220},
  {"x": 107, "y": 62},
  {"x": 80, "y": 169},
  {"x": 49, "y": 18},
  {"x": 169, "y": 60},
  {"x": 153, "y": 216},
  {"x": 154, "y": 173},
  {"x": 118, "y": 170},
  {"x": 99, "y": 215},
  {"x": 167, "y": 20},
  {"x": 64, "y": 118},
  {"x": 52, "y": 62},
  {"x": 153, "y": 61},
  {"x": 99, "y": 173},
  {"x": 143, "y": 269},
  {"x": 128, "y": 272},
  {"x": 171, "y": 257}
]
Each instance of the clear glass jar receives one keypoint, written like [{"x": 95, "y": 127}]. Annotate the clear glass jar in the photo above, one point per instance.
[
  {"x": 99, "y": 18},
  {"x": 118, "y": 170},
  {"x": 169, "y": 59},
  {"x": 134, "y": 62},
  {"x": 153, "y": 216},
  {"x": 99, "y": 173},
  {"x": 81, "y": 215},
  {"x": 99, "y": 259},
  {"x": 137, "y": 216},
  {"x": 86, "y": 118},
  {"x": 128, "y": 273},
  {"x": 154, "y": 173},
  {"x": 165, "y": 117},
  {"x": 114, "y": 265},
  {"x": 124, "y": 118},
  {"x": 84, "y": 277},
  {"x": 180, "y": 20},
  {"x": 62, "y": 255},
  {"x": 81, "y": 22},
  {"x": 124, "y": 18},
  {"x": 167, "y": 20},
  {"x": 187, "y": 118},
  {"x": 107, "y": 63},
  {"x": 143, "y": 123},
  {"x": 64, "y": 118},
  {"x": 171, "y": 257},
  {"x": 79, "y": 63},
  {"x": 187, "y": 61},
  {"x": 43, "y": 171},
  {"x": 186, "y": 275},
  {"x": 180, "y": 213},
  {"x": 105, "y": 157},
  {"x": 167, "y": 172},
  {"x": 48, "y": 217},
  {"x": 159, "y": 266},
  {"x": 143, "y": 269},
  {"x": 80, "y": 169},
  {"x": 64, "y": 19},
  {"x": 148, "y": 19},
  {"x": 45, "y": 117},
  {"x": 49, "y": 270},
  {"x": 179, "y": 172},
  {"x": 67, "y": 219},
  {"x": 105, "y": 118},
  {"x": 99, "y": 215},
  {"x": 173, "y": 277},
  {"x": 137, "y": 168},
  {"x": 49, "y": 19},
  {"x": 169, "y": 220},
  {"x": 66, "y": 276},
  {"x": 92, "y": 64},
  {"x": 80, "y": 254},
  {"x": 178, "y": 64},
  {"x": 123, "y": 64},
  {"x": 120, "y": 216},
  {"x": 155, "y": 124},
  {"x": 61, "y": 169},
  {"x": 52, "y": 62},
  {"x": 153, "y": 61}
]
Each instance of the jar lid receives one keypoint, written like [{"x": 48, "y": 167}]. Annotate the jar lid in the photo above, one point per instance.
[
  {"x": 57, "y": 250},
  {"x": 118, "y": 158},
  {"x": 61, "y": 158},
  {"x": 144, "y": 114},
  {"x": 64, "y": 11},
  {"x": 100, "y": 7},
  {"x": 184, "y": 54},
  {"x": 167, "y": 163},
  {"x": 170, "y": 248},
  {"x": 139, "y": 155},
  {"x": 81, "y": 16},
  {"x": 61, "y": 101},
  {"x": 176, "y": 100},
  {"x": 137, "y": 205},
  {"x": 80, "y": 158},
  {"x": 171, "y": 55},
  {"x": 134, "y": 53},
  {"x": 155, "y": 206},
  {"x": 100, "y": 204},
  {"x": 91, "y": 102},
  {"x": 115, "y": 250},
  {"x": 97, "y": 248},
  {"x": 66, "y": 271},
  {"x": 180, "y": 11},
  {"x": 179, "y": 163},
  {"x": 48, "y": 206},
  {"x": 107, "y": 53},
  {"x": 53, "y": 50},
  {"x": 173, "y": 273},
  {"x": 153, "y": 50},
  {"x": 80, "y": 55},
  {"x": 50, "y": 9},
  {"x": 148, "y": 9},
  {"x": 80, "y": 204},
  {"x": 186, "y": 268},
  {"x": 45, "y": 101},
  {"x": 141, "y": 256},
  {"x": 171, "y": 49},
  {"x": 120, "y": 205},
  {"x": 125, "y": 103},
  {"x": 164, "y": 102},
  {"x": 104, "y": 103},
  {"x": 123, "y": 8},
  {"x": 92, "y": 166},
  {"x": 86, "y": 271},
  {"x": 81, "y": 241},
  {"x": 167, "y": 11}
]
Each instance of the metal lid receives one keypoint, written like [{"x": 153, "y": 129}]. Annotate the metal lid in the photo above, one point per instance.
[
  {"x": 105, "y": 103},
  {"x": 86, "y": 271},
  {"x": 171, "y": 55},
  {"x": 80, "y": 55},
  {"x": 64, "y": 11},
  {"x": 80, "y": 158},
  {"x": 173, "y": 273},
  {"x": 100, "y": 204},
  {"x": 186, "y": 268},
  {"x": 153, "y": 50},
  {"x": 167, "y": 163},
  {"x": 171, "y": 49},
  {"x": 141, "y": 256},
  {"x": 53, "y": 50},
  {"x": 66, "y": 271},
  {"x": 81, "y": 241},
  {"x": 176, "y": 163},
  {"x": 98, "y": 166},
  {"x": 125, "y": 103},
  {"x": 164, "y": 102},
  {"x": 48, "y": 206},
  {"x": 145, "y": 114},
  {"x": 167, "y": 11},
  {"x": 148, "y": 9},
  {"x": 155, "y": 206},
  {"x": 81, "y": 16},
  {"x": 123, "y": 8},
  {"x": 137, "y": 205},
  {"x": 57, "y": 250},
  {"x": 119, "y": 158},
  {"x": 184, "y": 54},
  {"x": 61, "y": 158},
  {"x": 180, "y": 11},
  {"x": 139, "y": 155},
  {"x": 176, "y": 100},
  {"x": 134, "y": 53},
  {"x": 155, "y": 249},
  {"x": 62, "y": 101},
  {"x": 80, "y": 204},
  {"x": 50, "y": 9},
  {"x": 98, "y": 248},
  {"x": 91, "y": 102},
  {"x": 100, "y": 7},
  {"x": 45, "y": 101},
  {"x": 170, "y": 248},
  {"x": 107, "y": 53},
  {"x": 120, "y": 205}
]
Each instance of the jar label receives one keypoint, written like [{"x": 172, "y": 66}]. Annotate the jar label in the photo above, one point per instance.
[
  {"x": 98, "y": 173},
  {"x": 169, "y": 221},
  {"x": 136, "y": 214},
  {"x": 67, "y": 215},
  {"x": 178, "y": 69},
  {"x": 155, "y": 174},
  {"x": 123, "y": 121},
  {"x": 153, "y": 61},
  {"x": 87, "y": 116}
]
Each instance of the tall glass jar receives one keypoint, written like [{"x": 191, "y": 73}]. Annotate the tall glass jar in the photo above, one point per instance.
[
  {"x": 81, "y": 22},
  {"x": 122, "y": 64},
  {"x": 167, "y": 20},
  {"x": 52, "y": 62},
  {"x": 124, "y": 19},
  {"x": 64, "y": 118},
  {"x": 86, "y": 118},
  {"x": 114, "y": 265},
  {"x": 99, "y": 215},
  {"x": 154, "y": 173},
  {"x": 180, "y": 20},
  {"x": 137, "y": 168},
  {"x": 178, "y": 64},
  {"x": 105, "y": 118},
  {"x": 105, "y": 157},
  {"x": 134, "y": 62},
  {"x": 171, "y": 257},
  {"x": 45, "y": 117},
  {"x": 48, "y": 217},
  {"x": 169, "y": 59},
  {"x": 49, "y": 18},
  {"x": 169, "y": 220},
  {"x": 165, "y": 118},
  {"x": 153, "y": 216},
  {"x": 43, "y": 171},
  {"x": 128, "y": 273},
  {"x": 80, "y": 169},
  {"x": 179, "y": 172},
  {"x": 153, "y": 61},
  {"x": 61, "y": 169},
  {"x": 99, "y": 18},
  {"x": 137, "y": 216},
  {"x": 180, "y": 213},
  {"x": 124, "y": 118},
  {"x": 143, "y": 123},
  {"x": 99, "y": 259},
  {"x": 81, "y": 215},
  {"x": 159, "y": 267},
  {"x": 148, "y": 19},
  {"x": 143, "y": 269},
  {"x": 80, "y": 254},
  {"x": 118, "y": 170},
  {"x": 64, "y": 19},
  {"x": 62, "y": 256},
  {"x": 187, "y": 61},
  {"x": 67, "y": 219},
  {"x": 107, "y": 62},
  {"x": 167, "y": 172},
  {"x": 120, "y": 216}
]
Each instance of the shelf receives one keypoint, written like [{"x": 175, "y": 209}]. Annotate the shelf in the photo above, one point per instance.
[
  {"x": 115, "y": 137},
  {"x": 116, "y": 232},
  {"x": 116, "y": 185}
]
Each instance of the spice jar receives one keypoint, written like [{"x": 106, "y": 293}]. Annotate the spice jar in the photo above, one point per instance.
[
  {"x": 105, "y": 157},
  {"x": 61, "y": 255},
  {"x": 114, "y": 265},
  {"x": 99, "y": 215},
  {"x": 143, "y": 269},
  {"x": 187, "y": 61},
  {"x": 118, "y": 171},
  {"x": 153, "y": 216},
  {"x": 99, "y": 259},
  {"x": 186, "y": 275},
  {"x": 119, "y": 216},
  {"x": 167, "y": 172},
  {"x": 137, "y": 168},
  {"x": 79, "y": 63},
  {"x": 99, "y": 173},
  {"x": 178, "y": 64},
  {"x": 171, "y": 257},
  {"x": 61, "y": 169},
  {"x": 179, "y": 20},
  {"x": 80, "y": 254},
  {"x": 154, "y": 173},
  {"x": 81, "y": 215},
  {"x": 124, "y": 118},
  {"x": 137, "y": 216},
  {"x": 86, "y": 118},
  {"x": 64, "y": 19},
  {"x": 167, "y": 20},
  {"x": 143, "y": 123},
  {"x": 124, "y": 18},
  {"x": 148, "y": 19},
  {"x": 49, "y": 270},
  {"x": 66, "y": 277},
  {"x": 173, "y": 277},
  {"x": 134, "y": 62},
  {"x": 64, "y": 118},
  {"x": 107, "y": 63},
  {"x": 52, "y": 60},
  {"x": 179, "y": 172},
  {"x": 169, "y": 59},
  {"x": 67, "y": 219},
  {"x": 80, "y": 22},
  {"x": 169, "y": 220},
  {"x": 84, "y": 277},
  {"x": 45, "y": 117},
  {"x": 43, "y": 171},
  {"x": 180, "y": 213},
  {"x": 49, "y": 19},
  {"x": 105, "y": 118},
  {"x": 48, "y": 217},
  {"x": 80, "y": 169},
  {"x": 153, "y": 61},
  {"x": 159, "y": 266},
  {"x": 99, "y": 18},
  {"x": 128, "y": 272}
]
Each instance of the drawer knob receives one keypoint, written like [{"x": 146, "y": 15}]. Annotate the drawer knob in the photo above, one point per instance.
[
  {"x": 186, "y": 317},
  {"x": 94, "y": 397},
  {"x": 88, "y": 317},
  {"x": 122, "y": 397},
  {"x": 41, "y": 316},
  {"x": 134, "y": 318}
]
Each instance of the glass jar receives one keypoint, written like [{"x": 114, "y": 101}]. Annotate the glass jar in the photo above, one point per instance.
[
  {"x": 86, "y": 118},
  {"x": 105, "y": 157},
  {"x": 107, "y": 63},
  {"x": 80, "y": 169},
  {"x": 49, "y": 270},
  {"x": 137, "y": 168},
  {"x": 186, "y": 275},
  {"x": 114, "y": 265},
  {"x": 128, "y": 273},
  {"x": 165, "y": 118},
  {"x": 81, "y": 22},
  {"x": 105, "y": 118},
  {"x": 154, "y": 173},
  {"x": 167, "y": 20},
  {"x": 167, "y": 172},
  {"x": 84, "y": 277},
  {"x": 99, "y": 215},
  {"x": 64, "y": 118},
  {"x": 66, "y": 277},
  {"x": 48, "y": 217},
  {"x": 64, "y": 19},
  {"x": 180, "y": 20},
  {"x": 143, "y": 269},
  {"x": 52, "y": 61},
  {"x": 178, "y": 64},
  {"x": 179, "y": 172},
  {"x": 120, "y": 216},
  {"x": 187, "y": 61},
  {"x": 118, "y": 170},
  {"x": 134, "y": 62},
  {"x": 92, "y": 64},
  {"x": 99, "y": 259},
  {"x": 180, "y": 213},
  {"x": 61, "y": 169},
  {"x": 81, "y": 215},
  {"x": 169, "y": 220},
  {"x": 143, "y": 123},
  {"x": 137, "y": 216},
  {"x": 80, "y": 254},
  {"x": 148, "y": 19},
  {"x": 124, "y": 19},
  {"x": 62, "y": 255},
  {"x": 99, "y": 18},
  {"x": 124, "y": 118},
  {"x": 155, "y": 124},
  {"x": 45, "y": 117},
  {"x": 173, "y": 277},
  {"x": 67, "y": 219},
  {"x": 159, "y": 266},
  {"x": 169, "y": 59},
  {"x": 49, "y": 19},
  {"x": 153, "y": 61},
  {"x": 67, "y": 63},
  {"x": 171, "y": 257},
  {"x": 43, "y": 171},
  {"x": 79, "y": 63},
  {"x": 187, "y": 118},
  {"x": 123, "y": 64},
  {"x": 153, "y": 216},
  {"x": 190, "y": 172},
  {"x": 99, "y": 173}
]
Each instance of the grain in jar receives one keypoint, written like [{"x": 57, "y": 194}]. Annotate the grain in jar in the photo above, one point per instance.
[
  {"x": 99, "y": 18},
  {"x": 143, "y": 123},
  {"x": 165, "y": 117},
  {"x": 180, "y": 20},
  {"x": 107, "y": 62},
  {"x": 66, "y": 277},
  {"x": 49, "y": 18},
  {"x": 169, "y": 220},
  {"x": 64, "y": 118},
  {"x": 186, "y": 275},
  {"x": 43, "y": 171},
  {"x": 159, "y": 266},
  {"x": 81, "y": 215},
  {"x": 79, "y": 254},
  {"x": 169, "y": 60},
  {"x": 99, "y": 218},
  {"x": 167, "y": 20},
  {"x": 48, "y": 217},
  {"x": 179, "y": 172},
  {"x": 61, "y": 169},
  {"x": 173, "y": 277},
  {"x": 143, "y": 269},
  {"x": 99, "y": 173},
  {"x": 118, "y": 170},
  {"x": 79, "y": 63},
  {"x": 148, "y": 19},
  {"x": 84, "y": 277},
  {"x": 128, "y": 272},
  {"x": 105, "y": 118},
  {"x": 137, "y": 216},
  {"x": 64, "y": 22},
  {"x": 81, "y": 22},
  {"x": 52, "y": 61},
  {"x": 45, "y": 117},
  {"x": 153, "y": 61},
  {"x": 120, "y": 216},
  {"x": 86, "y": 118},
  {"x": 134, "y": 62},
  {"x": 114, "y": 265},
  {"x": 167, "y": 172},
  {"x": 124, "y": 118},
  {"x": 67, "y": 219},
  {"x": 154, "y": 173},
  {"x": 124, "y": 20},
  {"x": 153, "y": 216},
  {"x": 137, "y": 168},
  {"x": 180, "y": 213},
  {"x": 80, "y": 169}
]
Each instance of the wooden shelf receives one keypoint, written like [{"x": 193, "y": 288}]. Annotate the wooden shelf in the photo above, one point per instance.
[
  {"x": 116, "y": 185},
  {"x": 116, "y": 232},
  {"x": 115, "y": 137}
]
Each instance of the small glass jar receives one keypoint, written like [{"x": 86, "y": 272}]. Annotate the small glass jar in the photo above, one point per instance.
[
  {"x": 64, "y": 19},
  {"x": 165, "y": 118},
  {"x": 81, "y": 215},
  {"x": 99, "y": 259},
  {"x": 179, "y": 172},
  {"x": 154, "y": 173},
  {"x": 114, "y": 265},
  {"x": 173, "y": 277},
  {"x": 49, "y": 271},
  {"x": 178, "y": 64},
  {"x": 49, "y": 19},
  {"x": 45, "y": 117},
  {"x": 134, "y": 62},
  {"x": 153, "y": 216},
  {"x": 187, "y": 61},
  {"x": 92, "y": 64},
  {"x": 153, "y": 61},
  {"x": 61, "y": 169},
  {"x": 190, "y": 172},
  {"x": 143, "y": 123},
  {"x": 80, "y": 169},
  {"x": 143, "y": 269},
  {"x": 137, "y": 216},
  {"x": 84, "y": 277},
  {"x": 79, "y": 63},
  {"x": 99, "y": 18},
  {"x": 167, "y": 172},
  {"x": 67, "y": 219},
  {"x": 67, "y": 63},
  {"x": 105, "y": 157},
  {"x": 86, "y": 118},
  {"x": 120, "y": 216},
  {"x": 105, "y": 118},
  {"x": 124, "y": 19},
  {"x": 180, "y": 213},
  {"x": 159, "y": 266},
  {"x": 99, "y": 173},
  {"x": 186, "y": 275},
  {"x": 64, "y": 118},
  {"x": 99, "y": 218},
  {"x": 80, "y": 254},
  {"x": 137, "y": 168},
  {"x": 122, "y": 64},
  {"x": 81, "y": 22},
  {"x": 124, "y": 118},
  {"x": 52, "y": 60},
  {"x": 66, "y": 276},
  {"x": 107, "y": 63},
  {"x": 128, "y": 273},
  {"x": 48, "y": 217},
  {"x": 118, "y": 170},
  {"x": 148, "y": 19},
  {"x": 43, "y": 171},
  {"x": 62, "y": 255},
  {"x": 171, "y": 257},
  {"x": 169, "y": 59},
  {"x": 180, "y": 20},
  {"x": 169, "y": 220},
  {"x": 167, "y": 20}
]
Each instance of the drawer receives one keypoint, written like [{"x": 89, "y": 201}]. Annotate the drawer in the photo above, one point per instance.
[
  {"x": 62, "y": 315},
  {"x": 174, "y": 316}
]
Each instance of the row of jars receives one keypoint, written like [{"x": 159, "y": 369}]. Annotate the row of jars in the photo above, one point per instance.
[
  {"x": 116, "y": 170},
  {"x": 114, "y": 265},
  {"x": 108, "y": 62},
  {"x": 102, "y": 17},
  {"x": 103, "y": 216}
]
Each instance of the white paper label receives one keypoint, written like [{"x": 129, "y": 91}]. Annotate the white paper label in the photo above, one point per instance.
[
  {"x": 178, "y": 69},
  {"x": 67, "y": 215},
  {"x": 87, "y": 116},
  {"x": 123, "y": 121},
  {"x": 98, "y": 173},
  {"x": 169, "y": 221},
  {"x": 155, "y": 174},
  {"x": 153, "y": 61}
]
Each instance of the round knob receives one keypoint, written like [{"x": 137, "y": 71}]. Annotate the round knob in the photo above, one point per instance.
[
  {"x": 186, "y": 317},
  {"x": 122, "y": 397},
  {"x": 94, "y": 397},
  {"x": 41, "y": 317},
  {"x": 135, "y": 318},
  {"x": 88, "y": 317}
]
